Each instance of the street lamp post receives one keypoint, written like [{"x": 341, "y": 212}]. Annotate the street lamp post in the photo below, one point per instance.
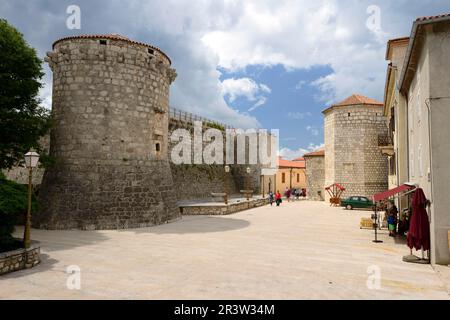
[
  {"x": 248, "y": 182},
  {"x": 31, "y": 161},
  {"x": 225, "y": 183}
]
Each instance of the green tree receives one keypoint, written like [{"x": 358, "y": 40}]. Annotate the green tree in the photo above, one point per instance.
[
  {"x": 22, "y": 119},
  {"x": 13, "y": 205}
]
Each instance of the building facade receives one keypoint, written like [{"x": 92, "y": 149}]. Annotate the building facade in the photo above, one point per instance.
[
  {"x": 289, "y": 174},
  {"x": 315, "y": 175},
  {"x": 424, "y": 92},
  {"x": 352, "y": 130},
  {"x": 395, "y": 111}
]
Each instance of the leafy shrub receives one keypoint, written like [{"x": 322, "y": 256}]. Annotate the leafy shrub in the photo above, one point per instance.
[{"x": 13, "y": 205}]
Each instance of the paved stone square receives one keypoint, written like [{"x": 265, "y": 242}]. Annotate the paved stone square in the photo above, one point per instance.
[{"x": 301, "y": 250}]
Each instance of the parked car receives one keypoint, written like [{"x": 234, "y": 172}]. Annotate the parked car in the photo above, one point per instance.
[{"x": 357, "y": 202}]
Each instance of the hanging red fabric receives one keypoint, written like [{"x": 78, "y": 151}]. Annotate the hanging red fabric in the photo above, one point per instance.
[{"x": 419, "y": 228}]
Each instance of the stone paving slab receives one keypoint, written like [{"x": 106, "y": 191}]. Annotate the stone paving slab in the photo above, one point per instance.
[{"x": 301, "y": 250}]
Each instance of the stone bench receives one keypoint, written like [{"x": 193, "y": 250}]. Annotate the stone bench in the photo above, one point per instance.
[
  {"x": 224, "y": 196},
  {"x": 247, "y": 193}
]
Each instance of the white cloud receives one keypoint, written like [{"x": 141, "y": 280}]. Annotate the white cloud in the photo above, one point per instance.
[
  {"x": 313, "y": 130},
  {"x": 245, "y": 87},
  {"x": 199, "y": 36},
  {"x": 45, "y": 95},
  {"x": 299, "y": 115},
  {"x": 290, "y": 154},
  {"x": 300, "y": 84},
  {"x": 302, "y": 34}
]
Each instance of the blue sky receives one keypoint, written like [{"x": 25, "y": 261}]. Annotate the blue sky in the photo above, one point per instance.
[
  {"x": 291, "y": 105},
  {"x": 253, "y": 63}
]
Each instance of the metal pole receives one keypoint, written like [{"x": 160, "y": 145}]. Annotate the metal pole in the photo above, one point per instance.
[
  {"x": 225, "y": 183},
  {"x": 375, "y": 225},
  {"x": 262, "y": 181},
  {"x": 26, "y": 232},
  {"x": 290, "y": 179},
  {"x": 248, "y": 185}
]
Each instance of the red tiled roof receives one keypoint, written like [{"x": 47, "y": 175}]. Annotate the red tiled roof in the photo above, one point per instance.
[
  {"x": 433, "y": 17},
  {"x": 299, "y": 159},
  {"x": 317, "y": 153},
  {"x": 283, "y": 163},
  {"x": 112, "y": 36},
  {"x": 356, "y": 99},
  {"x": 414, "y": 47}
]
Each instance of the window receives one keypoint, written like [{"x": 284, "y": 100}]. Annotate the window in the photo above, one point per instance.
[
  {"x": 283, "y": 177},
  {"x": 349, "y": 114},
  {"x": 151, "y": 51},
  {"x": 103, "y": 42},
  {"x": 364, "y": 199},
  {"x": 355, "y": 199},
  {"x": 158, "y": 147},
  {"x": 392, "y": 165},
  {"x": 298, "y": 177}
]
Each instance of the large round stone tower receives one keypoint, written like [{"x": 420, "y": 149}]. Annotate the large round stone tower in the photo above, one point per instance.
[
  {"x": 110, "y": 136},
  {"x": 352, "y": 157}
]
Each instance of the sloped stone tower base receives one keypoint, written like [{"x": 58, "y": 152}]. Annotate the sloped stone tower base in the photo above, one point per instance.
[{"x": 107, "y": 197}]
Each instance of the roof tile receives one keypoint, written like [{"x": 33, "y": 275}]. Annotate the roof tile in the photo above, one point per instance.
[{"x": 356, "y": 99}]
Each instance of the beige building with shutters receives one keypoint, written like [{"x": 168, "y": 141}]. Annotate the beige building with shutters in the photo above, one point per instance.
[{"x": 417, "y": 96}]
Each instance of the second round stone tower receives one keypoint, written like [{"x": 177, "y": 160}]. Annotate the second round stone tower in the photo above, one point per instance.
[
  {"x": 110, "y": 136},
  {"x": 352, "y": 158}
]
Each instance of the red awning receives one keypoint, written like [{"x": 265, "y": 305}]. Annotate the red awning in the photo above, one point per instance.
[
  {"x": 389, "y": 193},
  {"x": 337, "y": 185}
]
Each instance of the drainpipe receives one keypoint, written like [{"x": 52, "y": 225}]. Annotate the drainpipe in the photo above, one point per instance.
[
  {"x": 407, "y": 135},
  {"x": 430, "y": 175}
]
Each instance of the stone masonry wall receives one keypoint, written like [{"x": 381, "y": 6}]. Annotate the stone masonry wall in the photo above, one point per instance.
[
  {"x": 315, "y": 177},
  {"x": 352, "y": 157},
  {"x": 110, "y": 107},
  {"x": 20, "y": 259},
  {"x": 19, "y": 174},
  {"x": 110, "y": 141},
  {"x": 193, "y": 181}
]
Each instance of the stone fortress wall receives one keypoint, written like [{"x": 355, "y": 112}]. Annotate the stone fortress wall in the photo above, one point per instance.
[
  {"x": 111, "y": 140},
  {"x": 352, "y": 157},
  {"x": 190, "y": 182},
  {"x": 315, "y": 177},
  {"x": 198, "y": 181},
  {"x": 110, "y": 108}
]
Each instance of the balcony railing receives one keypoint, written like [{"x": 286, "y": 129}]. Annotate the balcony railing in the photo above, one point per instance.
[{"x": 190, "y": 118}]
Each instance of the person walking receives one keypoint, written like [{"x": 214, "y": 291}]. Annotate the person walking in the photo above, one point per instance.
[
  {"x": 392, "y": 220},
  {"x": 278, "y": 198},
  {"x": 287, "y": 193},
  {"x": 271, "y": 198}
]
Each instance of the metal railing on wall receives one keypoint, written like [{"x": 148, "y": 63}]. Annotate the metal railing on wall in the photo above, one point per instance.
[{"x": 189, "y": 117}]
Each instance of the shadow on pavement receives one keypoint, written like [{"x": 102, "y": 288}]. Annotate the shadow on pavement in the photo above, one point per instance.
[
  {"x": 55, "y": 240},
  {"x": 46, "y": 264},
  {"x": 200, "y": 224}
]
